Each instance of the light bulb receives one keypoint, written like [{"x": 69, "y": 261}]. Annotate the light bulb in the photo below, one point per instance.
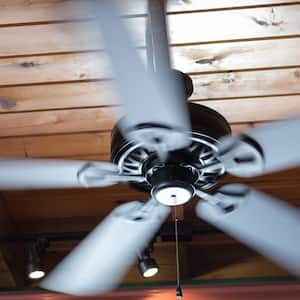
[
  {"x": 36, "y": 274},
  {"x": 150, "y": 272}
]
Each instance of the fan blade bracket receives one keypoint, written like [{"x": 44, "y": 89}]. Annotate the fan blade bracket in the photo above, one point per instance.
[
  {"x": 241, "y": 155},
  {"x": 224, "y": 201},
  {"x": 160, "y": 139},
  {"x": 92, "y": 174},
  {"x": 137, "y": 211},
  {"x": 102, "y": 174}
]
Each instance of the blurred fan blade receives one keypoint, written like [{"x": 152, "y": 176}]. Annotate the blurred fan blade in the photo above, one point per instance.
[
  {"x": 155, "y": 99},
  {"x": 279, "y": 145},
  {"x": 265, "y": 224},
  {"x": 47, "y": 173},
  {"x": 100, "y": 261}
]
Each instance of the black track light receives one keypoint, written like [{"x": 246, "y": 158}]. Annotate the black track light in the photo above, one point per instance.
[
  {"x": 147, "y": 265},
  {"x": 35, "y": 269}
]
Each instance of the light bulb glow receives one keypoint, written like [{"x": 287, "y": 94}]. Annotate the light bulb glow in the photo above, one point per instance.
[
  {"x": 150, "y": 272},
  {"x": 37, "y": 274}
]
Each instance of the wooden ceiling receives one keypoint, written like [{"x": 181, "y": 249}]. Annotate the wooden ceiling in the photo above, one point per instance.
[{"x": 56, "y": 100}]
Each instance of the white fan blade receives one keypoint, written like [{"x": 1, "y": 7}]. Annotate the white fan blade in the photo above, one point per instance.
[
  {"x": 265, "y": 224},
  {"x": 47, "y": 173},
  {"x": 99, "y": 262},
  {"x": 278, "y": 143},
  {"x": 155, "y": 99}
]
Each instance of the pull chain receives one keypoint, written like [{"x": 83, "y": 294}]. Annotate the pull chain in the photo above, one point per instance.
[{"x": 179, "y": 293}]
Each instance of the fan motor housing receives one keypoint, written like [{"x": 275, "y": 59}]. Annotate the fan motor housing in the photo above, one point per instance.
[
  {"x": 181, "y": 173},
  {"x": 173, "y": 184}
]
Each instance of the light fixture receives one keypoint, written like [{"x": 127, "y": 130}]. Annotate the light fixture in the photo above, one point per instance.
[
  {"x": 35, "y": 269},
  {"x": 147, "y": 265},
  {"x": 36, "y": 274}
]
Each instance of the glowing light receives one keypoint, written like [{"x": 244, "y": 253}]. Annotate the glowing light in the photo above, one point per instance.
[
  {"x": 150, "y": 272},
  {"x": 37, "y": 274}
]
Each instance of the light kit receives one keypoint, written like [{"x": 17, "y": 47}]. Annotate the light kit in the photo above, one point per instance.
[
  {"x": 147, "y": 265},
  {"x": 35, "y": 269}
]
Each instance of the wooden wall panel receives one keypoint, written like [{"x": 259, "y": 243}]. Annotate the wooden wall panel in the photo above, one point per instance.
[
  {"x": 59, "y": 121},
  {"x": 101, "y": 93},
  {"x": 88, "y": 146},
  {"x": 30, "y": 11},
  {"x": 190, "y": 59},
  {"x": 246, "y": 84},
  {"x": 103, "y": 118},
  {"x": 73, "y": 68},
  {"x": 61, "y": 37},
  {"x": 58, "y": 96},
  {"x": 230, "y": 56}
]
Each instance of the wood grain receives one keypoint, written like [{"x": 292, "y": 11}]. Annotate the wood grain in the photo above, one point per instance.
[
  {"x": 83, "y": 146},
  {"x": 224, "y": 85},
  {"x": 196, "y": 59},
  {"x": 103, "y": 118},
  {"x": 31, "y": 11},
  {"x": 282, "y": 21}
]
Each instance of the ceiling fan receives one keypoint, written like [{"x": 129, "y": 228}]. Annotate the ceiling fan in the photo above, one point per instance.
[{"x": 174, "y": 151}]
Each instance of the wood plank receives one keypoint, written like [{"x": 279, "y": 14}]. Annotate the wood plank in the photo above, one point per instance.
[
  {"x": 256, "y": 109},
  {"x": 50, "y": 122},
  {"x": 84, "y": 146},
  {"x": 54, "y": 68},
  {"x": 189, "y": 59},
  {"x": 246, "y": 84},
  {"x": 253, "y": 23},
  {"x": 68, "y": 145},
  {"x": 29, "y": 11},
  {"x": 103, "y": 118},
  {"x": 232, "y": 56},
  {"x": 206, "y": 86},
  {"x": 12, "y": 147},
  {"x": 252, "y": 267},
  {"x": 57, "y": 96}
]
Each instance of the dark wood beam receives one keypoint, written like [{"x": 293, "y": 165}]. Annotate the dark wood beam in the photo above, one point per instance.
[{"x": 12, "y": 255}]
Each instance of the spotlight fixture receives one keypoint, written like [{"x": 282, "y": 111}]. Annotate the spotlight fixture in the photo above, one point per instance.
[
  {"x": 35, "y": 272},
  {"x": 147, "y": 265},
  {"x": 35, "y": 269}
]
